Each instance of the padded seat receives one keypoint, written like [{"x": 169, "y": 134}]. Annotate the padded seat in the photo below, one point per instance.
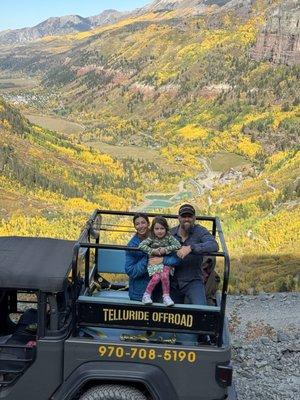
[{"x": 111, "y": 261}]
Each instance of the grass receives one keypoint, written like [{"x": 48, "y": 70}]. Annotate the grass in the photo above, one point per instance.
[
  {"x": 10, "y": 84},
  {"x": 223, "y": 161},
  {"x": 137, "y": 153},
  {"x": 56, "y": 124},
  {"x": 12, "y": 202}
]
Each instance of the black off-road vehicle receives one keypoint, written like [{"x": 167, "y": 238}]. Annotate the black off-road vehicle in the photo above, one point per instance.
[{"x": 68, "y": 330}]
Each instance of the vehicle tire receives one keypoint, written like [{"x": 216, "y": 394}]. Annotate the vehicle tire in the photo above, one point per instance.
[{"x": 113, "y": 392}]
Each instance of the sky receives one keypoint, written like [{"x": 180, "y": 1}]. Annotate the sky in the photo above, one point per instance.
[{"x": 16, "y": 14}]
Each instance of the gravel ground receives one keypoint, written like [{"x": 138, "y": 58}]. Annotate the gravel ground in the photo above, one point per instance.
[{"x": 265, "y": 332}]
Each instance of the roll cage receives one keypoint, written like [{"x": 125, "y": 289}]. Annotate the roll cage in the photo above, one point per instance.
[{"x": 206, "y": 319}]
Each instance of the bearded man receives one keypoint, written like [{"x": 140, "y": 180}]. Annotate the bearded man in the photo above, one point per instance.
[{"x": 187, "y": 283}]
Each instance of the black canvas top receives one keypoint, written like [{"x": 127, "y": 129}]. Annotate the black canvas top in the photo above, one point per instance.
[{"x": 34, "y": 263}]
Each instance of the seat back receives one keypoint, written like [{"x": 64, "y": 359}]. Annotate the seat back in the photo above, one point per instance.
[{"x": 111, "y": 261}]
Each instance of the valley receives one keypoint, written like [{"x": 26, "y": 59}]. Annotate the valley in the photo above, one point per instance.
[
  {"x": 154, "y": 109},
  {"x": 209, "y": 177}
]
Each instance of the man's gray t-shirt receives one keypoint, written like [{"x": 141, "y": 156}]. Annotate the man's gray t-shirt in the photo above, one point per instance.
[{"x": 189, "y": 268}]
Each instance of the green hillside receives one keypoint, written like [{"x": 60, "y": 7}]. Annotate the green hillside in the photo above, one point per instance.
[{"x": 49, "y": 184}]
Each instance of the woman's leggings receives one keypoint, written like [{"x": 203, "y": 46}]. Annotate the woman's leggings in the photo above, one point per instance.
[{"x": 156, "y": 278}]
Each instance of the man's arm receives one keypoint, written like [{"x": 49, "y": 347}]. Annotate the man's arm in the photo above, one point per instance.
[
  {"x": 205, "y": 242},
  {"x": 171, "y": 260}
]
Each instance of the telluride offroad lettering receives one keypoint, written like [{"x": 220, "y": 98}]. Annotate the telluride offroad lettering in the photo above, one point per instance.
[
  {"x": 112, "y": 315},
  {"x": 175, "y": 319}
]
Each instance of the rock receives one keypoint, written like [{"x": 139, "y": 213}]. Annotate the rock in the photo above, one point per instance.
[
  {"x": 261, "y": 364},
  {"x": 281, "y": 337},
  {"x": 246, "y": 374},
  {"x": 237, "y": 344},
  {"x": 266, "y": 345},
  {"x": 265, "y": 340},
  {"x": 264, "y": 298}
]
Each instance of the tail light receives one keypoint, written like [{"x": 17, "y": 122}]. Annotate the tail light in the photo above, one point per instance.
[{"x": 224, "y": 375}]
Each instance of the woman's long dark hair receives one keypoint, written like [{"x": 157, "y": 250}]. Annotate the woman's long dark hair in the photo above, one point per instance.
[
  {"x": 140, "y": 215},
  {"x": 159, "y": 220}
]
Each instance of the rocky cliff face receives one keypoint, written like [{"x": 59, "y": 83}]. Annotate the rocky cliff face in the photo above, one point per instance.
[
  {"x": 169, "y": 5},
  {"x": 106, "y": 17},
  {"x": 279, "y": 40}
]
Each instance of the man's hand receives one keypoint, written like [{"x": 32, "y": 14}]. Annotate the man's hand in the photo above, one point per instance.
[
  {"x": 155, "y": 260},
  {"x": 184, "y": 251}
]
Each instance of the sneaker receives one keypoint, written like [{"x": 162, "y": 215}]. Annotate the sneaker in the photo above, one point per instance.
[
  {"x": 147, "y": 299},
  {"x": 167, "y": 300}
]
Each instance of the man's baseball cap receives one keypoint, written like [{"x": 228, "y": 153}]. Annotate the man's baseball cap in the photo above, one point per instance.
[{"x": 186, "y": 209}]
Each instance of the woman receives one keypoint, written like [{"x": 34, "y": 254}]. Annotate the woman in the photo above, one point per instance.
[{"x": 137, "y": 261}]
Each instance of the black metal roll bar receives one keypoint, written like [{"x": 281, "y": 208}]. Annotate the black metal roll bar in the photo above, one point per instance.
[{"x": 216, "y": 230}]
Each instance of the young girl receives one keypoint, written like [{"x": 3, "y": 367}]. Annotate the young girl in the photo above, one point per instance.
[{"x": 158, "y": 244}]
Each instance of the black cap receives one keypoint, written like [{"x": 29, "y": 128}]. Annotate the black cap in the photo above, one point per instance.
[{"x": 186, "y": 209}]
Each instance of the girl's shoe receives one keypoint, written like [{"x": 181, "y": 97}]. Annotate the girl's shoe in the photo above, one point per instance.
[
  {"x": 147, "y": 299},
  {"x": 167, "y": 300}
]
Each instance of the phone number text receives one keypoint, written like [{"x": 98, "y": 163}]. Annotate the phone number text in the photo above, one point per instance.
[{"x": 142, "y": 353}]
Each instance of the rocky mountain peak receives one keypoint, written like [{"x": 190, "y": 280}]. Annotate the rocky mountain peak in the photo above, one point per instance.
[
  {"x": 65, "y": 24},
  {"x": 62, "y": 20},
  {"x": 106, "y": 17},
  {"x": 169, "y": 5}
]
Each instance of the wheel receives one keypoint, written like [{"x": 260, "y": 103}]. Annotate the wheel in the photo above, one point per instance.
[{"x": 113, "y": 392}]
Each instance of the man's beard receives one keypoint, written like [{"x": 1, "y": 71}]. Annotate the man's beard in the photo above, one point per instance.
[{"x": 187, "y": 226}]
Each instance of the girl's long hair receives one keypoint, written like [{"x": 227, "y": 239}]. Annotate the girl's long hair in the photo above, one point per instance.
[{"x": 159, "y": 220}]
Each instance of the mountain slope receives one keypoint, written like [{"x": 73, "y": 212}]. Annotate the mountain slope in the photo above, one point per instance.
[
  {"x": 204, "y": 81},
  {"x": 53, "y": 178}
]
